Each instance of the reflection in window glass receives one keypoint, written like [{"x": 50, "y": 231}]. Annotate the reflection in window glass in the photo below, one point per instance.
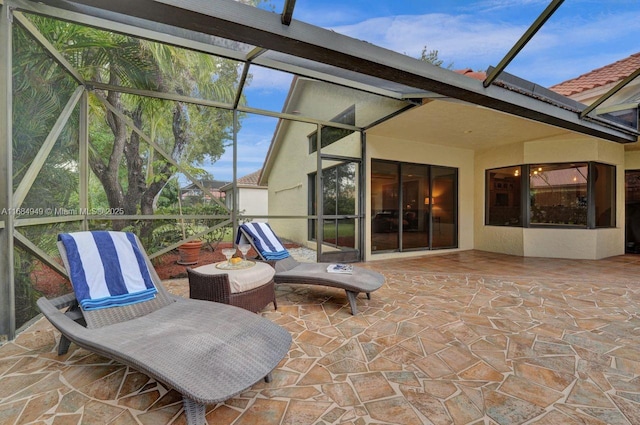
[
  {"x": 339, "y": 185},
  {"x": 504, "y": 191},
  {"x": 444, "y": 208},
  {"x": 340, "y": 233},
  {"x": 604, "y": 194},
  {"x": 416, "y": 206},
  {"x": 385, "y": 178},
  {"x": 338, "y": 198},
  {"x": 558, "y": 194}
]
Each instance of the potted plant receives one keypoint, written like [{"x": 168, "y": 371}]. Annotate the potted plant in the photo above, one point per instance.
[{"x": 189, "y": 252}]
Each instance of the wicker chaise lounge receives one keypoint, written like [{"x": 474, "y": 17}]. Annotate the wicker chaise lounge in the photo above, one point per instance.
[
  {"x": 288, "y": 270},
  {"x": 208, "y": 352}
]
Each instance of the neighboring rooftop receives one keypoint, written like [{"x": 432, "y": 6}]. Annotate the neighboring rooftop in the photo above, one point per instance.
[
  {"x": 208, "y": 184},
  {"x": 476, "y": 75},
  {"x": 245, "y": 181},
  {"x": 599, "y": 77},
  {"x": 250, "y": 179}
]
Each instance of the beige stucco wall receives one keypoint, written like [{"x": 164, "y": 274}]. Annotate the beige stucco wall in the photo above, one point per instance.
[
  {"x": 253, "y": 201},
  {"x": 632, "y": 160},
  {"x": 380, "y": 147},
  {"x": 288, "y": 182},
  {"x": 429, "y": 135},
  {"x": 554, "y": 243}
]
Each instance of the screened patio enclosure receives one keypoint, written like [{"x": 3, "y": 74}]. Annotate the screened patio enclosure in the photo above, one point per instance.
[{"x": 108, "y": 109}]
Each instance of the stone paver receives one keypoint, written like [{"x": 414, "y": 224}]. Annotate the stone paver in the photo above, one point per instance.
[{"x": 457, "y": 338}]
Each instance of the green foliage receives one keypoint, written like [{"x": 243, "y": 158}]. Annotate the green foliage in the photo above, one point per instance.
[
  {"x": 170, "y": 231},
  {"x": 130, "y": 171},
  {"x": 127, "y": 172},
  {"x": 41, "y": 89}
]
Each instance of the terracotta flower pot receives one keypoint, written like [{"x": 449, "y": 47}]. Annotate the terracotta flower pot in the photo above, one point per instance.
[{"x": 189, "y": 253}]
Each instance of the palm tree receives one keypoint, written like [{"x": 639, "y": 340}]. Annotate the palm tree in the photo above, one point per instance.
[{"x": 130, "y": 173}]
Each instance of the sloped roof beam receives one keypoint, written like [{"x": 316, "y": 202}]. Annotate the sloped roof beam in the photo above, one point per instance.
[
  {"x": 235, "y": 21},
  {"x": 287, "y": 11},
  {"x": 528, "y": 35}
]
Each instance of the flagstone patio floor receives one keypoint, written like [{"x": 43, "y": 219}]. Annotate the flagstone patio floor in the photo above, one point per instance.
[{"x": 459, "y": 338}]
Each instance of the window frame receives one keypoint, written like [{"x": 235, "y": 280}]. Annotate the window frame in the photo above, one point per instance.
[{"x": 525, "y": 198}]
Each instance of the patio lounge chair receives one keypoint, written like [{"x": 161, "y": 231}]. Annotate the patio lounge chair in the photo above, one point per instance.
[
  {"x": 208, "y": 352},
  {"x": 288, "y": 270}
]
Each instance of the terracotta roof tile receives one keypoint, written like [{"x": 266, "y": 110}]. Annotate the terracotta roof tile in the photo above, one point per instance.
[
  {"x": 477, "y": 75},
  {"x": 250, "y": 179},
  {"x": 611, "y": 73}
]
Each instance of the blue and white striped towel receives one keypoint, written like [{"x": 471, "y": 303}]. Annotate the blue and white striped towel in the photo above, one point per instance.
[
  {"x": 107, "y": 269},
  {"x": 264, "y": 240}
]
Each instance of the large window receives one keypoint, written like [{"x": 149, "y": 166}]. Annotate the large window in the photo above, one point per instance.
[
  {"x": 558, "y": 194},
  {"x": 578, "y": 195},
  {"x": 413, "y": 206}
]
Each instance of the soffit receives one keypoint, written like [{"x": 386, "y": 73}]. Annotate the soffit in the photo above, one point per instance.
[{"x": 461, "y": 125}]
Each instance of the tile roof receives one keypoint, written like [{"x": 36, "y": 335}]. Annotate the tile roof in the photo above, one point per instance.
[
  {"x": 611, "y": 73},
  {"x": 478, "y": 75},
  {"x": 250, "y": 179}
]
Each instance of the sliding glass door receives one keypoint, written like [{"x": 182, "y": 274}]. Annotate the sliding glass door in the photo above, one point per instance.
[{"x": 413, "y": 206}]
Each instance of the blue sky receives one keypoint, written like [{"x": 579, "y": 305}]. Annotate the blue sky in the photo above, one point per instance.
[{"x": 581, "y": 36}]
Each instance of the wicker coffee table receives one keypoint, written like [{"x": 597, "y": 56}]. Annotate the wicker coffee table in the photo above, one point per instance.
[{"x": 248, "y": 285}]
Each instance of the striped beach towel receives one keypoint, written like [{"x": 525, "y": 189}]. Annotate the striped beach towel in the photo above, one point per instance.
[
  {"x": 107, "y": 269},
  {"x": 263, "y": 240}
]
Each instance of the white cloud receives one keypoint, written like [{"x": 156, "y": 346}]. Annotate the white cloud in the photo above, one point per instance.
[
  {"x": 465, "y": 40},
  {"x": 566, "y": 45},
  {"x": 267, "y": 80}
]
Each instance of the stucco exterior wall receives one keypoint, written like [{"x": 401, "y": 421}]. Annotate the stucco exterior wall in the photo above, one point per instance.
[
  {"x": 554, "y": 243},
  {"x": 253, "y": 201},
  {"x": 288, "y": 191},
  {"x": 632, "y": 160},
  {"x": 379, "y": 147}
]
